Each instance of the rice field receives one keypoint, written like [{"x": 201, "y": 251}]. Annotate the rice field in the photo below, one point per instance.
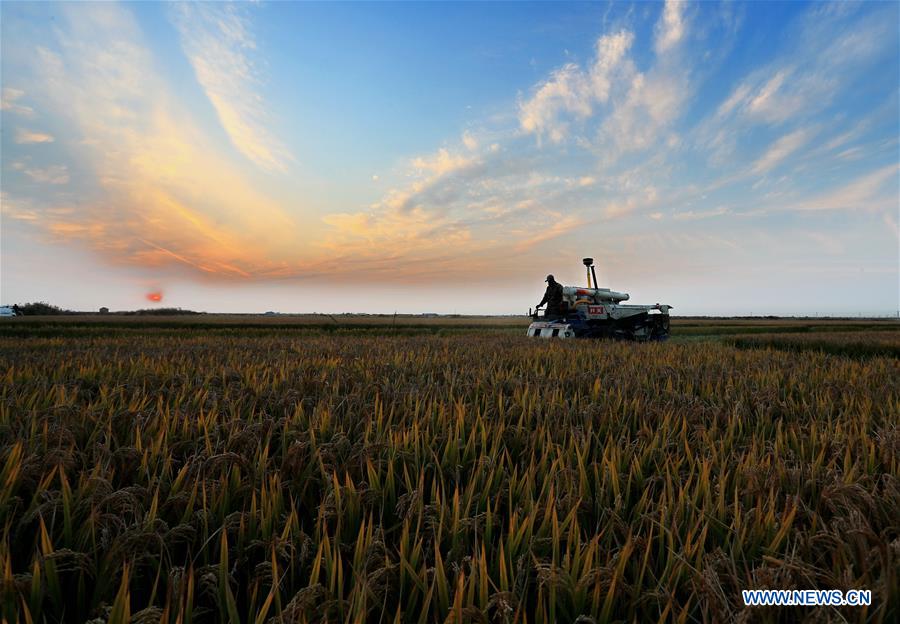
[{"x": 274, "y": 474}]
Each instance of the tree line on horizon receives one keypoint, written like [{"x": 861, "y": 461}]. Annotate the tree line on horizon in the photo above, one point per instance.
[{"x": 42, "y": 308}]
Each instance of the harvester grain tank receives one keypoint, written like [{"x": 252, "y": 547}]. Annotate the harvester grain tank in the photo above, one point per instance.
[{"x": 595, "y": 312}]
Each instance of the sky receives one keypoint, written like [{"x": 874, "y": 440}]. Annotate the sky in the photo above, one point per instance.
[{"x": 723, "y": 158}]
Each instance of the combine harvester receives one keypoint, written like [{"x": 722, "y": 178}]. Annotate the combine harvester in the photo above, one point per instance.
[{"x": 594, "y": 312}]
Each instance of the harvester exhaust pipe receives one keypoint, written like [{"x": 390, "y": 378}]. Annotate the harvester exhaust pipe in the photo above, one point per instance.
[{"x": 589, "y": 263}]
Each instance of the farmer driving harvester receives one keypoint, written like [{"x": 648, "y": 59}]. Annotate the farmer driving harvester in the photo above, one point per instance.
[{"x": 553, "y": 297}]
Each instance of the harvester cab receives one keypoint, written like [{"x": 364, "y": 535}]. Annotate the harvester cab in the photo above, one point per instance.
[{"x": 595, "y": 312}]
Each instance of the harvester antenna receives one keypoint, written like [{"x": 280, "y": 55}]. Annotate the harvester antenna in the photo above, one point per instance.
[{"x": 589, "y": 263}]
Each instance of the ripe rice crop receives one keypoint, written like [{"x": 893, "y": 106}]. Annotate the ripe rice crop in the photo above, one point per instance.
[{"x": 198, "y": 476}]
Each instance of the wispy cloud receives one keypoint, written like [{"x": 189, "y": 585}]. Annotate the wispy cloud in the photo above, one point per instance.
[
  {"x": 160, "y": 182},
  {"x": 508, "y": 197},
  {"x": 218, "y": 40},
  {"x": 781, "y": 149},
  {"x": 408, "y": 222},
  {"x": 671, "y": 28},
  {"x": 572, "y": 92},
  {"x": 443, "y": 162},
  {"x": 876, "y": 190},
  {"x": 54, "y": 174},
  {"x": 826, "y": 242},
  {"x": 772, "y": 102},
  {"x": 564, "y": 225},
  {"x": 655, "y": 98},
  {"x": 693, "y": 215},
  {"x": 484, "y": 206},
  {"x": 27, "y": 137},
  {"x": 828, "y": 46},
  {"x": 890, "y": 220},
  {"x": 9, "y": 101},
  {"x": 470, "y": 141},
  {"x": 17, "y": 209},
  {"x": 641, "y": 199}
]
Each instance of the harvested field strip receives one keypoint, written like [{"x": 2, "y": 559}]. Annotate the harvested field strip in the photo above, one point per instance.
[
  {"x": 716, "y": 330},
  {"x": 851, "y": 344}
]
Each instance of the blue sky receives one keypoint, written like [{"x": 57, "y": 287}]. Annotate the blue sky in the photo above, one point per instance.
[{"x": 726, "y": 158}]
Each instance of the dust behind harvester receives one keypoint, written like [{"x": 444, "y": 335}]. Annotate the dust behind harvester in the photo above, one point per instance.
[{"x": 594, "y": 312}]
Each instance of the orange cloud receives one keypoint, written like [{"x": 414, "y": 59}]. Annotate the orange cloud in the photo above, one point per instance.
[{"x": 167, "y": 194}]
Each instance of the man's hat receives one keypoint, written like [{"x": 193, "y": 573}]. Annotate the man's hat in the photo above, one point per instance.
[{"x": 549, "y": 278}]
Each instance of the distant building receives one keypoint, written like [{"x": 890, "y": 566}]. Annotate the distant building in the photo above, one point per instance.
[
  {"x": 104, "y": 310},
  {"x": 429, "y": 315},
  {"x": 270, "y": 313}
]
